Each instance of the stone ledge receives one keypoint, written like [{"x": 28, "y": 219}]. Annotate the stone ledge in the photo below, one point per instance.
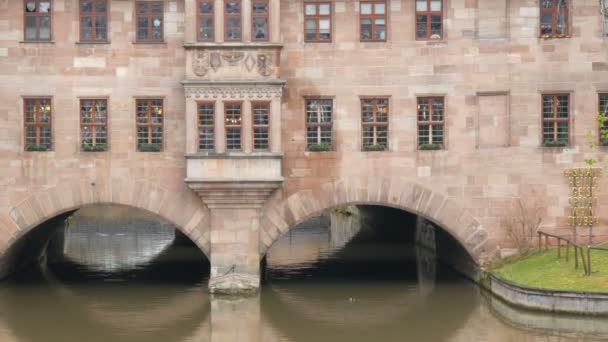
[
  {"x": 234, "y": 284},
  {"x": 584, "y": 303},
  {"x": 239, "y": 45}
]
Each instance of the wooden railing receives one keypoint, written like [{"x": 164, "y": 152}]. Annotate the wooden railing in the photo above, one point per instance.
[{"x": 584, "y": 251}]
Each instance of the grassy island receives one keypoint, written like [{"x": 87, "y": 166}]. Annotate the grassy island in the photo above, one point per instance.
[{"x": 542, "y": 269}]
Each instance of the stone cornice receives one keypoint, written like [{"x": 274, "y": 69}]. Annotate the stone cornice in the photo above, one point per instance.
[
  {"x": 201, "y": 89},
  {"x": 199, "y": 45}
]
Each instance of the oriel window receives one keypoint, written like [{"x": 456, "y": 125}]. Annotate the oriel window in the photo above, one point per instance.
[
  {"x": 317, "y": 21},
  {"x": 374, "y": 122},
  {"x": 37, "y": 20},
  {"x": 233, "y": 115},
  {"x": 150, "y": 114},
  {"x": 259, "y": 20},
  {"x": 206, "y": 126},
  {"x": 232, "y": 20},
  {"x": 261, "y": 125},
  {"x": 372, "y": 20},
  {"x": 205, "y": 20},
  {"x": 553, "y": 18},
  {"x": 93, "y": 20},
  {"x": 556, "y": 120},
  {"x": 149, "y": 21},
  {"x": 37, "y": 124},
  {"x": 93, "y": 125},
  {"x": 430, "y": 123},
  {"x": 429, "y": 19},
  {"x": 319, "y": 123}
]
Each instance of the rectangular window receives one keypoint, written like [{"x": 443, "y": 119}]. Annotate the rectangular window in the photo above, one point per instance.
[
  {"x": 37, "y": 124},
  {"x": 206, "y": 126},
  {"x": 374, "y": 122},
  {"x": 372, "y": 20},
  {"x": 429, "y": 19},
  {"x": 317, "y": 21},
  {"x": 259, "y": 20},
  {"x": 556, "y": 120},
  {"x": 553, "y": 18},
  {"x": 261, "y": 125},
  {"x": 232, "y": 20},
  {"x": 93, "y": 125},
  {"x": 603, "y": 109},
  {"x": 149, "y": 125},
  {"x": 319, "y": 124},
  {"x": 149, "y": 21},
  {"x": 430, "y": 123},
  {"x": 37, "y": 20},
  {"x": 205, "y": 21},
  {"x": 93, "y": 20},
  {"x": 233, "y": 111}
]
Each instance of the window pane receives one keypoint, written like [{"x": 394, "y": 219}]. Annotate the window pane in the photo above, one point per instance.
[
  {"x": 45, "y": 7},
  {"x": 324, "y": 9},
  {"x": 326, "y": 111},
  {"x": 366, "y": 29},
  {"x": 561, "y": 24},
  {"x": 233, "y": 28},
  {"x": 435, "y": 27},
  {"x": 142, "y": 28},
  {"x": 142, "y": 7},
  {"x": 437, "y": 134},
  {"x": 157, "y": 135},
  {"x": 423, "y": 135},
  {"x": 562, "y": 131},
  {"x": 30, "y": 111},
  {"x": 233, "y": 138},
  {"x": 86, "y": 111},
  {"x": 30, "y": 28},
  {"x": 86, "y": 6},
  {"x": 548, "y": 131},
  {"x": 260, "y": 7},
  {"x": 157, "y": 28},
  {"x": 311, "y": 29},
  {"x": 157, "y": 7},
  {"x": 367, "y": 111},
  {"x": 45, "y": 136},
  {"x": 86, "y": 28},
  {"x": 324, "y": 32},
  {"x": 382, "y": 111},
  {"x": 100, "y": 6},
  {"x": 142, "y": 135},
  {"x": 437, "y": 110},
  {"x": 380, "y": 8},
  {"x": 30, "y": 7},
  {"x": 142, "y": 112},
  {"x": 45, "y": 111},
  {"x": 206, "y": 7},
  {"x": 423, "y": 110},
  {"x": 311, "y": 9},
  {"x": 311, "y": 135},
  {"x": 100, "y": 28},
  {"x": 421, "y": 26},
  {"x": 312, "y": 112},
  {"x": 260, "y": 28},
  {"x": 562, "y": 106},
  {"x": 206, "y": 138},
  {"x": 368, "y": 136},
  {"x": 206, "y": 29},
  {"x": 156, "y": 114},
  {"x": 382, "y": 136},
  {"x": 326, "y": 135},
  {"x": 86, "y": 135},
  {"x": 100, "y": 111},
  {"x": 421, "y": 5},
  {"x": 366, "y": 8},
  {"x": 45, "y": 28},
  {"x": 101, "y": 136},
  {"x": 260, "y": 138},
  {"x": 546, "y": 24},
  {"x": 30, "y": 136},
  {"x": 547, "y": 3},
  {"x": 233, "y": 7},
  {"x": 379, "y": 33},
  {"x": 206, "y": 114},
  {"x": 435, "y": 5}
]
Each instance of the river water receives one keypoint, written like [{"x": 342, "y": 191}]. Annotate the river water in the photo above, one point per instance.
[{"x": 124, "y": 277}]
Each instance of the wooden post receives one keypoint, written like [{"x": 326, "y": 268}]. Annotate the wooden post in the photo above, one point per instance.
[
  {"x": 589, "y": 259},
  {"x": 583, "y": 260},
  {"x": 539, "y": 241},
  {"x": 575, "y": 256},
  {"x": 559, "y": 248},
  {"x": 567, "y": 250}
]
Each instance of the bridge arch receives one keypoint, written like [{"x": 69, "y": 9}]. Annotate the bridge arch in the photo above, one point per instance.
[
  {"x": 181, "y": 207},
  {"x": 283, "y": 214}
]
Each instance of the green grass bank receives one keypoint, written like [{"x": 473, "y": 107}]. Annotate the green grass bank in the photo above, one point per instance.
[{"x": 542, "y": 269}]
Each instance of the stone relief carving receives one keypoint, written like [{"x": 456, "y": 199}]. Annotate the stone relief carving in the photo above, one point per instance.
[
  {"x": 203, "y": 60},
  {"x": 265, "y": 64},
  {"x": 234, "y": 91},
  {"x": 233, "y": 58},
  {"x": 200, "y": 63},
  {"x": 215, "y": 62}
]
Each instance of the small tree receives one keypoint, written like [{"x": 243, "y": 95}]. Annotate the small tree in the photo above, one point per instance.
[{"x": 522, "y": 221}]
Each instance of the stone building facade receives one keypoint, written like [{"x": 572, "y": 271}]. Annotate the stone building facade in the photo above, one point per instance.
[{"x": 238, "y": 119}]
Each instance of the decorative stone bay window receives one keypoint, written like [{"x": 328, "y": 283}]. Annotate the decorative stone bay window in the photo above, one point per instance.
[{"x": 233, "y": 135}]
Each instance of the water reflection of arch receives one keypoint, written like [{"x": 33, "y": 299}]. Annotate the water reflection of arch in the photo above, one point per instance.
[
  {"x": 70, "y": 314},
  {"x": 548, "y": 323},
  {"x": 303, "y": 314}
]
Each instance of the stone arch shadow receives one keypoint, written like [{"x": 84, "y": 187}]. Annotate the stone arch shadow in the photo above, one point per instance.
[
  {"x": 283, "y": 214},
  {"x": 180, "y": 207}
]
